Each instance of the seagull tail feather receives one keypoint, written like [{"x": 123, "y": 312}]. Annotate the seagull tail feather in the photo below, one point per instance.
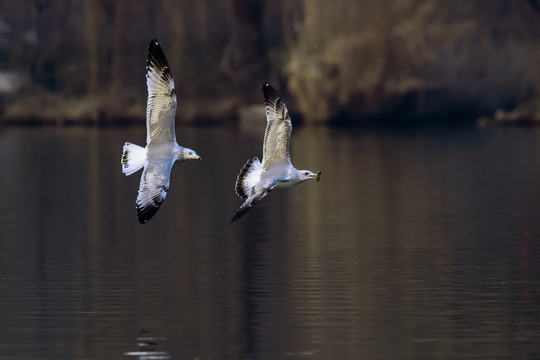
[
  {"x": 133, "y": 158},
  {"x": 248, "y": 177}
]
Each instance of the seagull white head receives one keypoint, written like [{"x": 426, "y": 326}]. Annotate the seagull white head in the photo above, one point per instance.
[
  {"x": 189, "y": 154},
  {"x": 304, "y": 175}
]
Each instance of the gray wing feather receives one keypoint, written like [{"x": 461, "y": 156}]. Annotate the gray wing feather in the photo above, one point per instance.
[
  {"x": 153, "y": 188},
  {"x": 278, "y": 127},
  {"x": 161, "y": 104}
]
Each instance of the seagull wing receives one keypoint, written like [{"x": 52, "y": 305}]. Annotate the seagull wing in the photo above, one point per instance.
[
  {"x": 154, "y": 185},
  {"x": 161, "y": 104},
  {"x": 278, "y": 127},
  {"x": 257, "y": 194}
]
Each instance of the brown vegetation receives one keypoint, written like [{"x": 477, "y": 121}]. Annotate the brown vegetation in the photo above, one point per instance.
[{"x": 339, "y": 60}]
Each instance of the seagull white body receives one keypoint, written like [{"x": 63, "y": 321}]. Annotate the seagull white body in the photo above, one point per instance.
[
  {"x": 161, "y": 150},
  {"x": 257, "y": 179}
]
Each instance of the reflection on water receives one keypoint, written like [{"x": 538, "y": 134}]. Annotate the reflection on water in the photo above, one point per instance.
[
  {"x": 414, "y": 245},
  {"x": 148, "y": 348}
]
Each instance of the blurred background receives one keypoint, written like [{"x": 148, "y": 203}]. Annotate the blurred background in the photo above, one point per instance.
[
  {"x": 339, "y": 61},
  {"x": 421, "y": 241}
]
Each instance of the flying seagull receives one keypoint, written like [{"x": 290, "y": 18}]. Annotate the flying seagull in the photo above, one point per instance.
[
  {"x": 257, "y": 179},
  {"x": 161, "y": 150}
]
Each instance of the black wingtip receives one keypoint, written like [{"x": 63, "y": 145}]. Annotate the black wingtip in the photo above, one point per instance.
[
  {"x": 154, "y": 47},
  {"x": 144, "y": 214},
  {"x": 268, "y": 88},
  {"x": 270, "y": 93},
  {"x": 156, "y": 56},
  {"x": 143, "y": 217},
  {"x": 238, "y": 215},
  {"x": 142, "y": 220},
  {"x": 242, "y": 210}
]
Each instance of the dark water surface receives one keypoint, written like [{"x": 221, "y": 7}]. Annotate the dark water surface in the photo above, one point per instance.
[{"x": 416, "y": 245}]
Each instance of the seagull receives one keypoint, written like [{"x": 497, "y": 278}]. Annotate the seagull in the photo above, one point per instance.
[
  {"x": 161, "y": 150},
  {"x": 257, "y": 179}
]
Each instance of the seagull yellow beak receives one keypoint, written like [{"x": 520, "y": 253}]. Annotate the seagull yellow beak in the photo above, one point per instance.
[{"x": 318, "y": 178}]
